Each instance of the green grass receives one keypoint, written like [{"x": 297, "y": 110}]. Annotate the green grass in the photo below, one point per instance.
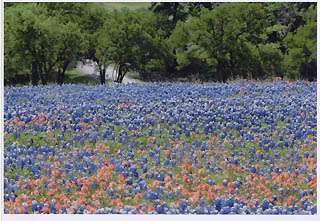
[
  {"x": 134, "y": 75},
  {"x": 128, "y": 5},
  {"x": 74, "y": 76}
]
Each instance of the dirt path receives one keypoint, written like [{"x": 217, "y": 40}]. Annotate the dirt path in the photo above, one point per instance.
[{"x": 90, "y": 69}]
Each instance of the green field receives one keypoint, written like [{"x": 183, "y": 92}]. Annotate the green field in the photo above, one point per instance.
[
  {"x": 129, "y": 5},
  {"x": 74, "y": 76}
]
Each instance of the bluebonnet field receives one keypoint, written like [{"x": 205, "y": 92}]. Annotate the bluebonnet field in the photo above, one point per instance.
[{"x": 241, "y": 148}]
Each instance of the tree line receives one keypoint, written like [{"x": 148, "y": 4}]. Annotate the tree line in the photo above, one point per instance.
[{"x": 167, "y": 41}]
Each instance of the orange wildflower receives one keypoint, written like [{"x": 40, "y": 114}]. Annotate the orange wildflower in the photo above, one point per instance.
[
  {"x": 155, "y": 183},
  {"x": 186, "y": 179},
  {"x": 84, "y": 189},
  {"x": 187, "y": 166},
  {"x": 138, "y": 196},
  {"x": 289, "y": 201},
  {"x": 117, "y": 202},
  {"x": 121, "y": 188},
  {"x": 210, "y": 195},
  {"x": 121, "y": 178}
]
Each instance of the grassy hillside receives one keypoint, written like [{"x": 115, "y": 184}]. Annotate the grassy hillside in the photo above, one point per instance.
[{"x": 129, "y": 5}]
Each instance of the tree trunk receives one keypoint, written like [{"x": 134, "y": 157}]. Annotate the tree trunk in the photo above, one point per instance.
[
  {"x": 34, "y": 73},
  {"x": 59, "y": 77},
  {"x": 121, "y": 74},
  {"x": 224, "y": 78},
  {"x": 61, "y": 73},
  {"x": 121, "y": 77},
  {"x": 102, "y": 75},
  {"x": 102, "y": 71},
  {"x": 42, "y": 75}
]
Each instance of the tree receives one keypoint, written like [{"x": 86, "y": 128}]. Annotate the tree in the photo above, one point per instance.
[
  {"x": 288, "y": 14},
  {"x": 191, "y": 56},
  {"x": 206, "y": 41},
  {"x": 72, "y": 42},
  {"x": 129, "y": 41},
  {"x": 269, "y": 60},
  {"x": 218, "y": 43},
  {"x": 300, "y": 61},
  {"x": 92, "y": 22},
  {"x": 44, "y": 36},
  {"x": 34, "y": 38},
  {"x": 72, "y": 46},
  {"x": 170, "y": 13},
  {"x": 13, "y": 61}
]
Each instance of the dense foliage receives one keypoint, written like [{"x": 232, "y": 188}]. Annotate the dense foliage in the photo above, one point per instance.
[
  {"x": 244, "y": 148},
  {"x": 205, "y": 41}
]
